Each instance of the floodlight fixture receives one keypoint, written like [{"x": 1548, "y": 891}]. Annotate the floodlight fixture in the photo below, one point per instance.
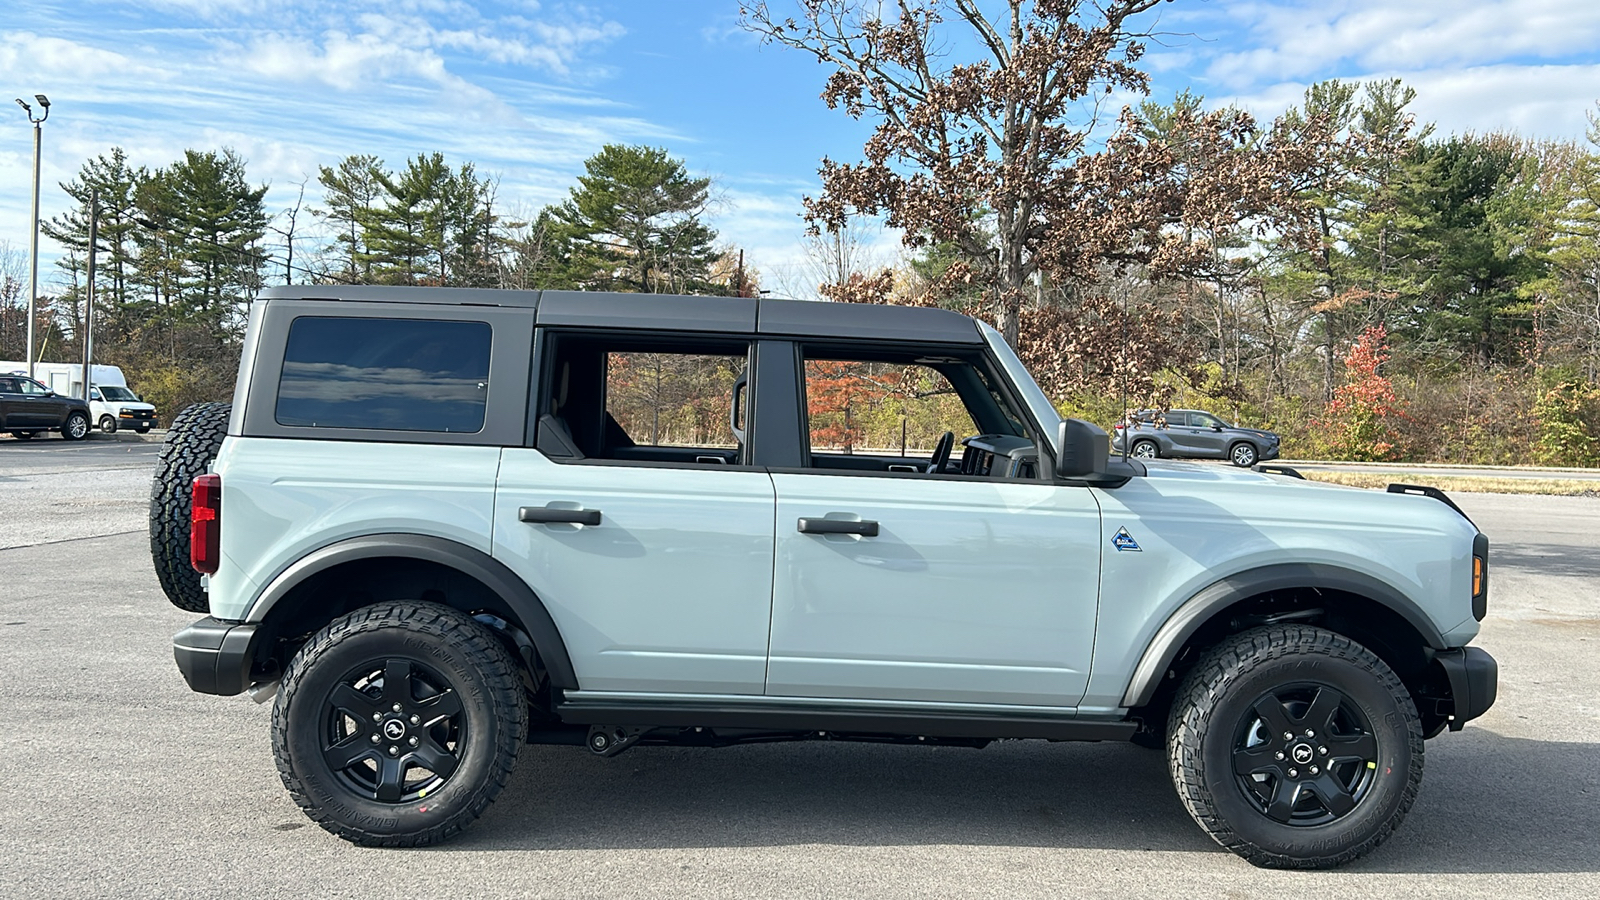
[
  {"x": 25, "y": 107},
  {"x": 43, "y": 100}
]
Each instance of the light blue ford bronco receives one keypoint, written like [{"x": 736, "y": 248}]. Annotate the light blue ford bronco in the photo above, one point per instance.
[{"x": 435, "y": 524}]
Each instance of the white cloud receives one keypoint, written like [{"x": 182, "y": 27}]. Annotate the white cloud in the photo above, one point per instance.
[
  {"x": 1538, "y": 101},
  {"x": 317, "y": 83},
  {"x": 1293, "y": 40},
  {"x": 1477, "y": 65},
  {"x": 26, "y": 57}
]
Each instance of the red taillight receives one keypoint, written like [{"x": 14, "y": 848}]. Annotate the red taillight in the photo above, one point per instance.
[{"x": 205, "y": 524}]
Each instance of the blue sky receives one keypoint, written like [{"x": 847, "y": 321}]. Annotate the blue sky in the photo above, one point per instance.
[{"x": 527, "y": 90}]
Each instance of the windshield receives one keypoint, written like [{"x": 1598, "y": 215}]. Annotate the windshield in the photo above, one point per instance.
[
  {"x": 116, "y": 392},
  {"x": 1031, "y": 393}
]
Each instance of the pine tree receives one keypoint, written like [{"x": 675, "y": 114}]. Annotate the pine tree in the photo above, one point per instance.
[
  {"x": 113, "y": 184},
  {"x": 635, "y": 224},
  {"x": 217, "y": 219},
  {"x": 350, "y": 190}
]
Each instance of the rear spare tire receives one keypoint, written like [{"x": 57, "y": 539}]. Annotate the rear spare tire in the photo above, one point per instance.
[{"x": 192, "y": 443}]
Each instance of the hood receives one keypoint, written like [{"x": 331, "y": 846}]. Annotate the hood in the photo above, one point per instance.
[
  {"x": 1234, "y": 488},
  {"x": 1257, "y": 432},
  {"x": 1161, "y": 469}
]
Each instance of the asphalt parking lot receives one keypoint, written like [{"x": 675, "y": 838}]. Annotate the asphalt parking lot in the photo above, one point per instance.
[{"x": 120, "y": 782}]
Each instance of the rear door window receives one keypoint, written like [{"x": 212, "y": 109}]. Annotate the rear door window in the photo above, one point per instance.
[
  {"x": 641, "y": 399},
  {"x": 389, "y": 374}
]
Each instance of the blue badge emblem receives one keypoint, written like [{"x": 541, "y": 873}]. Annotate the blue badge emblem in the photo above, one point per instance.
[{"x": 1122, "y": 540}]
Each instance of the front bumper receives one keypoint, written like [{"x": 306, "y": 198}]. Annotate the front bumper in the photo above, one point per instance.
[
  {"x": 130, "y": 420},
  {"x": 215, "y": 656},
  {"x": 1474, "y": 682},
  {"x": 1269, "y": 452}
]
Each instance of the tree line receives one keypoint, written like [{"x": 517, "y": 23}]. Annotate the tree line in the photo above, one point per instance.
[
  {"x": 1343, "y": 273},
  {"x": 183, "y": 249}
]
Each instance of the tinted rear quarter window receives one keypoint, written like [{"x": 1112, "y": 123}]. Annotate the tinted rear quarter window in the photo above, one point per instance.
[{"x": 386, "y": 374}]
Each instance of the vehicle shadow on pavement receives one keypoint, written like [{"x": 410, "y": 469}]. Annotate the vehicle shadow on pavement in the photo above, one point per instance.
[
  {"x": 1010, "y": 794},
  {"x": 1489, "y": 804}
]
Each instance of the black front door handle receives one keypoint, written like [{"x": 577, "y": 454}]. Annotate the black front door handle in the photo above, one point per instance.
[
  {"x": 863, "y": 527},
  {"x": 549, "y": 515}
]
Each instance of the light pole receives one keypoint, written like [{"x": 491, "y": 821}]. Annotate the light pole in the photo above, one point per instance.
[
  {"x": 88, "y": 297},
  {"x": 33, "y": 235}
]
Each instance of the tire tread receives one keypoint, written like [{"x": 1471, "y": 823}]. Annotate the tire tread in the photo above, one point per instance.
[
  {"x": 192, "y": 443},
  {"x": 480, "y": 648},
  {"x": 1200, "y": 694}
]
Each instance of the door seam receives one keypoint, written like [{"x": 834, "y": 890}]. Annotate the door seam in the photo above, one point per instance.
[{"x": 772, "y": 592}]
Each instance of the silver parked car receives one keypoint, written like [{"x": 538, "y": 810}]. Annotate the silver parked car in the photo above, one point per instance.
[{"x": 1193, "y": 434}]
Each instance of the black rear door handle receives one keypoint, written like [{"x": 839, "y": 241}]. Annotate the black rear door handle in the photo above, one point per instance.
[
  {"x": 549, "y": 515},
  {"x": 863, "y": 527}
]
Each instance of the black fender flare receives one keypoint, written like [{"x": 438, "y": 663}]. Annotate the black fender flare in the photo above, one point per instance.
[
  {"x": 491, "y": 572},
  {"x": 1197, "y": 610}
]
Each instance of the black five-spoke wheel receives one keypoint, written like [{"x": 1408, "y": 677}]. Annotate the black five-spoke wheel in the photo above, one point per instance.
[
  {"x": 1305, "y": 755},
  {"x": 394, "y": 733},
  {"x": 398, "y": 724}
]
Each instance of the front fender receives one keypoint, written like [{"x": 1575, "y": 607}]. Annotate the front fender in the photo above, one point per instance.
[{"x": 1220, "y": 595}]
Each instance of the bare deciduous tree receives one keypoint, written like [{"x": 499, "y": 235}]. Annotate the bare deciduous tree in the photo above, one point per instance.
[{"x": 1014, "y": 158}]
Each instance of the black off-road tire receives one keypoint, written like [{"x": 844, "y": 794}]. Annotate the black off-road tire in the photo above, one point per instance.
[
  {"x": 192, "y": 443},
  {"x": 76, "y": 427},
  {"x": 1208, "y": 729},
  {"x": 320, "y": 710}
]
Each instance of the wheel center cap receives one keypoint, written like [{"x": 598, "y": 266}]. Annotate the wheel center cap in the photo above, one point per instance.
[
  {"x": 1302, "y": 753},
  {"x": 394, "y": 729}
]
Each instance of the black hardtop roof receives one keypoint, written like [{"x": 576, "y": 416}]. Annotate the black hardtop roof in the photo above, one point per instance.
[{"x": 672, "y": 312}]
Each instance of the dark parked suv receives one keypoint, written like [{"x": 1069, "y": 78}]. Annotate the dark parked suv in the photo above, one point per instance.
[
  {"x": 28, "y": 407},
  {"x": 1193, "y": 434}
]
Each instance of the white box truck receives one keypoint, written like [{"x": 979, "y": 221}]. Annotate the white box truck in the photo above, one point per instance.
[{"x": 112, "y": 405}]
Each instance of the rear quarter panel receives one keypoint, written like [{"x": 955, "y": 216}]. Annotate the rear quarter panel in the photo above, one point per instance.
[{"x": 282, "y": 499}]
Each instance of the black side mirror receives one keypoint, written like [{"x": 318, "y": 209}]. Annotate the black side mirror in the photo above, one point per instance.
[{"x": 1082, "y": 449}]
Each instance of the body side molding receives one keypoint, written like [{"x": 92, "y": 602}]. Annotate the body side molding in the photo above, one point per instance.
[
  {"x": 1194, "y": 612},
  {"x": 469, "y": 561}
]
